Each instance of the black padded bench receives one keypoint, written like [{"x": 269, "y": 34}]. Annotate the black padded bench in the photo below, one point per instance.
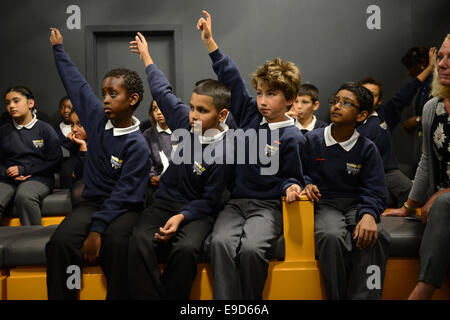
[
  {"x": 406, "y": 235},
  {"x": 24, "y": 246}
]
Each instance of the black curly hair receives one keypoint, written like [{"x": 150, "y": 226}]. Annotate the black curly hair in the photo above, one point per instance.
[
  {"x": 363, "y": 95},
  {"x": 131, "y": 81}
]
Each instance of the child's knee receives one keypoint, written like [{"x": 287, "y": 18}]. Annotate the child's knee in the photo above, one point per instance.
[{"x": 330, "y": 236}]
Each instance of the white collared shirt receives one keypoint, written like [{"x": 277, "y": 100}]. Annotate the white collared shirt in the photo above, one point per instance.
[
  {"x": 277, "y": 125},
  {"x": 373, "y": 114},
  {"x": 346, "y": 145},
  {"x": 218, "y": 136},
  {"x": 28, "y": 126},
  {"x": 122, "y": 131},
  {"x": 159, "y": 129},
  {"x": 65, "y": 128},
  {"x": 309, "y": 127}
]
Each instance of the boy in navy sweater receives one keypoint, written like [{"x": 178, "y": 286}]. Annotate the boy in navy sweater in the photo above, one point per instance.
[
  {"x": 115, "y": 179},
  {"x": 344, "y": 175},
  {"x": 189, "y": 194},
  {"x": 302, "y": 110},
  {"x": 252, "y": 219},
  {"x": 30, "y": 155}
]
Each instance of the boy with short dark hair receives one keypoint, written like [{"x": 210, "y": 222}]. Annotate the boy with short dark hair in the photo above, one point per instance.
[
  {"x": 252, "y": 219},
  {"x": 189, "y": 194},
  {"x": 305, "y": 104},
  {"x": 115, "y": 177},
  {"x": 344, "y": 175}
]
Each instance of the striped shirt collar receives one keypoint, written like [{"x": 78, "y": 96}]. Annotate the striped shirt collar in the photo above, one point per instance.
[
  {"x": 122, "y": 131},
  {"x": 277, "y": 125}
]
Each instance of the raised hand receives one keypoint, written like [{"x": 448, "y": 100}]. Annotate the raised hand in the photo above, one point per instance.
[
  {"x": 55, "y": 37},
  {"x": 432, "y": 56},
  {"x": 205, "y": 26},
  {"x": 140, "y": 46}
]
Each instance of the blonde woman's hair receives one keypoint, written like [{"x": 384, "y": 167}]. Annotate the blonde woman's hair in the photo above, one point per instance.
[
  {"x": 437, "y": 89},
  {"x": 279, "y": 74}
]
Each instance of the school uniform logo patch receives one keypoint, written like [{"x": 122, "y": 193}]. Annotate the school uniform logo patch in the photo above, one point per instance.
[
  {"x": 383, "y": 125},
  {"x": 39, "y": 143},
  {"x": 270, "y": 150},
  {"x": 353, "y": 168},
  {"x": 116, "y": 163},
  {"x": 198, "y": 169}
]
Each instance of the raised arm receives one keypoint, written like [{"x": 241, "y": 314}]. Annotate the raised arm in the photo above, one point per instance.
[
  {"x": 87, "y": 105},
  {"x": 243, "y": 106},
  {"x": 173, "y": 109},
  {"x": 393, "y": 108}
]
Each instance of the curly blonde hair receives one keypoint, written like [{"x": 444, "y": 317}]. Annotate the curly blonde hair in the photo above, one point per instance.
[
  {"x": 279, "y": 74},
  {"x": 437, "y": 89}
]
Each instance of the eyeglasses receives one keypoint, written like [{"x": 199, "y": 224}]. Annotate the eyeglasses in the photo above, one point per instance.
[{"x": 345, "y": 104}]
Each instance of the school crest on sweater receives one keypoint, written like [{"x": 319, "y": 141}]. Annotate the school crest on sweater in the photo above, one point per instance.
[
  {"x": 39, "y": 143},
  {"x": 353, "y": 168},
  {"x": 198, "y": 169},
  {"x": 270, "y": 150},
  {"x": 116, "y": 163}
]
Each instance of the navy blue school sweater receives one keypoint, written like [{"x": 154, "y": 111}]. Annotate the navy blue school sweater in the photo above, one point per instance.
[
  {"x": 65, "y": 142},
  {"x": 35, "y": 150},
  {"x": 392, "y": 110},
  {"x": 157, "y": 142},
  {"x": 78, "y": 159},
  {"x": 249, "y": 182},
  {"x": 378, "y": 132},
  {"x": 196, "y": 184},
  {"x": 116, "y": 168},
  {"x": 357, "y": 173}
]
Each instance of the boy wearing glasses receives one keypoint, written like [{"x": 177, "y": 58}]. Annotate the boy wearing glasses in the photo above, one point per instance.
[{"x": 344, "y": 176}]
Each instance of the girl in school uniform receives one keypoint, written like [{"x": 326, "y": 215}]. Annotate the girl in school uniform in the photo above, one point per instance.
[{"x": 30, "y": 155}]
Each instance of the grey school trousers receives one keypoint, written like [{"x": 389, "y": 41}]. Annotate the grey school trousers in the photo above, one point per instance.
[
  {"x": 27, "y": 200},
  {"x": 435, "y": 247},
  {"x": 347, "y": 271},
  {"x": 243, "y": 232},
  {"x": 399, "y": 186}
]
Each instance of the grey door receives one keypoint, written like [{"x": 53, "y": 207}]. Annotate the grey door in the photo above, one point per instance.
[{"x": 109, "y": 49}]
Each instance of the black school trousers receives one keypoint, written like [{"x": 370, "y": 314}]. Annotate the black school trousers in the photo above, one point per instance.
[
  {"x": 65, "y": 249},
  {"x": 180, "y": 254}
]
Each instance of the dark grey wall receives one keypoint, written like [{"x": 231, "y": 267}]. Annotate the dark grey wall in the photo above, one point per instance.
[{"x": 328, "y": 39}]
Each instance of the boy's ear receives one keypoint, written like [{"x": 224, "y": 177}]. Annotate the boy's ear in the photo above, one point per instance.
[
  {"x": 290, "y": 103},
  {"x": 316, "y": 105},
  {"x": 133, "y": 98},
  {"x": 223, "y": 115},
  {"x": 362, "y": 116}
]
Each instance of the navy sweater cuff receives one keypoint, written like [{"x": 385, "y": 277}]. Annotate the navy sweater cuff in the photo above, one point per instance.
[
  {"x": 98, "y": 226},
  {"x": 216, "y": 55}
]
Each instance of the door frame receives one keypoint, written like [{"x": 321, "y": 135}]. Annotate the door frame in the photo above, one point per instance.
[{"x": 93, "y": 31}]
